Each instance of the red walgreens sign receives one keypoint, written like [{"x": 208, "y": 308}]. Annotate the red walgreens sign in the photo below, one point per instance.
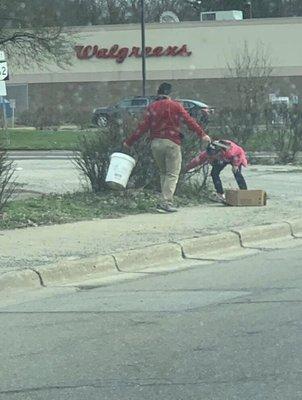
[{"x": 121, "y": 53}]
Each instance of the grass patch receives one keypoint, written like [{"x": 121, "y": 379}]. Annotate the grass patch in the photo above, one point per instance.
[
  {"x": 40, "y": 140},
  {"x": 60, "y": 209}
]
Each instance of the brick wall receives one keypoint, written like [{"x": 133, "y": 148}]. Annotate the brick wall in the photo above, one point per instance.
[{"x": 86, "y": 96}]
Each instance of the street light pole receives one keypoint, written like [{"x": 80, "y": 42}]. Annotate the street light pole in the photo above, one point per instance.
[{"x": 143, "y": 46}]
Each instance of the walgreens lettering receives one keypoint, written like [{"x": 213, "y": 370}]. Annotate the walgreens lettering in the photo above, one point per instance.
[{"x": 119, "y": 54}]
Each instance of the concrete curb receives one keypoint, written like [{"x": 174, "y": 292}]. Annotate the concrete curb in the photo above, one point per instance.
[
  {"x": 296, "y": 227},
  {"x": 204, "y": 248},
  {"x": 67, "y": 270},
  {"x": 262, "y": 236},
  {"x": 134, "y": 260},
  {"x": 19, "y": 279}
]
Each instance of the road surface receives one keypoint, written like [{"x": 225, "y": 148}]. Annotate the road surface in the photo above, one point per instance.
[{"x": 226, "y": 331}]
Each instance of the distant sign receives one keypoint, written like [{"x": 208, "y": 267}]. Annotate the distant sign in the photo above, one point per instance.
[
  {"x": 3, "y": 70},
  {"x": 3, "y": 88},
  {"x": 120, "y": 54},
  {"x": 168, "y": 17},
  {"x": 2, "y": 56}
]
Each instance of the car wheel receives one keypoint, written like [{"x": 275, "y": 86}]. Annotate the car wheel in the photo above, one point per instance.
[{"x": 102, "y": 121}]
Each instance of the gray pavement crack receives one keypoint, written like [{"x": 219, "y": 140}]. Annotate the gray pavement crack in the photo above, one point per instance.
[
  {"x": 261, "y": 302},
  {"x": 154, "y": 383}
]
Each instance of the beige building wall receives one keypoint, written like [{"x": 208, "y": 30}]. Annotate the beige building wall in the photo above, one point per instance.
[
  {"x": 202, "y": 75},
  {"x": 211, "y": 43}
]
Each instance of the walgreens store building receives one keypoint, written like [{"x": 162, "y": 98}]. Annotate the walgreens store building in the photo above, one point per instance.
[{"x": 106, "y": 64}]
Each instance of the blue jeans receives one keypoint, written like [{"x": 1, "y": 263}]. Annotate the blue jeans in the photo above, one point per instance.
[{"x": 217, "y": 167}]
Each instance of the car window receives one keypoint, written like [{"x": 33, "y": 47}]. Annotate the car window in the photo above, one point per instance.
[
  {"x": 188, "y": 104},
  {"x": 139, "y": 102},
  {"x": 124, "y": 103}
]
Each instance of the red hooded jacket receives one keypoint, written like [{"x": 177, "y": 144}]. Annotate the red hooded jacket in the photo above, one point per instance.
[
  {"x": 163, "y": 119},
  {"x": 235, "y": 155}
]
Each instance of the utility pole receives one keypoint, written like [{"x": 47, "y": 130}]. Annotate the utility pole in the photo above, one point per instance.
[
  {"x": 143, "y": 46},
  {"x": 247, "y": 11}
]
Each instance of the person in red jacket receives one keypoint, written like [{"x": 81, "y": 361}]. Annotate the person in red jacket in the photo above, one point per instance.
[
  {"x": 219, "y": 154},
  {"x": 162, "y": 120}
]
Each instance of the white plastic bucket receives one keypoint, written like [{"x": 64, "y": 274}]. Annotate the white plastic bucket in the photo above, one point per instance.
[{"x": 119, "y": 171}]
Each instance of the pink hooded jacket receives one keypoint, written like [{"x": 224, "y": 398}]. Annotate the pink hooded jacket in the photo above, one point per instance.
[{"x": 235, "y": 155}]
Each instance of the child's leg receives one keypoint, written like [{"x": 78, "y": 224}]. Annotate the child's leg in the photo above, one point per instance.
[
  {"x": 239, "y": 178},
  {"x": 217, "y": 168}
]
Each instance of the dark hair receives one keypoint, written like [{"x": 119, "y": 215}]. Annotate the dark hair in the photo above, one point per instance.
[
  {"x": 212, "y": 149},
  {"x": 165, "y": 89}
]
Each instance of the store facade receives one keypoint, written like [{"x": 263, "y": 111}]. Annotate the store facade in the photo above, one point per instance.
[{"x": 106, "y": 64}]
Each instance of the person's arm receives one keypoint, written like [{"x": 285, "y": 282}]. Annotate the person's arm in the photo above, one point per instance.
[
  {"x": 238, "y": 158},
  {"x": 142, "y": 128},
  {"x": 199, "y": 160},
  {"x": 236, "y": 161},
  {"x": 192, "y": 124}
]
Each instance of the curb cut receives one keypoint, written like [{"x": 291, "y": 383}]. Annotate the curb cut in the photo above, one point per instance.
[{"x": 204, "y": 248}]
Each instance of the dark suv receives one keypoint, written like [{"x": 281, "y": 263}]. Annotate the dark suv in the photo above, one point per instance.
[{"x": 197, "y": 109}]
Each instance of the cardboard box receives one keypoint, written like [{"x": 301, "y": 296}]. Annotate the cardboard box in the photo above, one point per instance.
[{"x": 245, "y": 197}]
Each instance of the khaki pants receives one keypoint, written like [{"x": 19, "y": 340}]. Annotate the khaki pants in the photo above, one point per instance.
[{"x": 167, "y": 156}]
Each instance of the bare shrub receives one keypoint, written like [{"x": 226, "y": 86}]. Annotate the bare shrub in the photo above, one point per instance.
[
  {"x": 250, "y": 70},
  {"x": 41, "y": 118},
  {"x": 92, "y": 155},
  {"x": 93, "y": 151},
  {"x": 7, "y": 182},
  {"x": 284, "y": 125}
]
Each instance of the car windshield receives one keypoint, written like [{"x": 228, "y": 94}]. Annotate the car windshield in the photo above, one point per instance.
[
  {"x": 139, "y": 102},
  {"x": 124, "y": 103}
]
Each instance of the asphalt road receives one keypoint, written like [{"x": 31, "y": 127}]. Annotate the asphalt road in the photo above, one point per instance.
[{"x": 226, "y": 331}]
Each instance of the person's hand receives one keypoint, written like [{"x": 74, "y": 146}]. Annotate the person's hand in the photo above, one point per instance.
[
  {"x": 206, "y": 139},
  {"x": 235, "y": 169}
]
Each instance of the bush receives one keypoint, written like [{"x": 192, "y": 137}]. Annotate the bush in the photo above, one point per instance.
[
  {"x": 92, "y": 158},
  {"x": 236, "y": 124},
  {"x": 276, "y": 128},
  {"x": 41, "y": 118},
  {"x": 7, "y": 183},
  {"x": 93, "y": 153},
  {"x": 79, "y": 117},
  {"x": 284, "y": 125}
]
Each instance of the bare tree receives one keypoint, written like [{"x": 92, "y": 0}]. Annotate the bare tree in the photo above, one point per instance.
[
  {"x": 33, "y": 34},
  {"x": 250, "y": 71}
]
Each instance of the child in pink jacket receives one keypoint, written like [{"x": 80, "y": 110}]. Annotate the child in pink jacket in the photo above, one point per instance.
[{"x": 219, "y": 154}]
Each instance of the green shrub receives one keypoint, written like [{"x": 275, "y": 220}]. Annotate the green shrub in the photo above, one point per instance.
[{"x": 93, "y": 152}]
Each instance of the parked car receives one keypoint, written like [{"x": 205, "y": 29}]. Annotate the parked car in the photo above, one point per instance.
[{"x": 197, "y": 109}]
